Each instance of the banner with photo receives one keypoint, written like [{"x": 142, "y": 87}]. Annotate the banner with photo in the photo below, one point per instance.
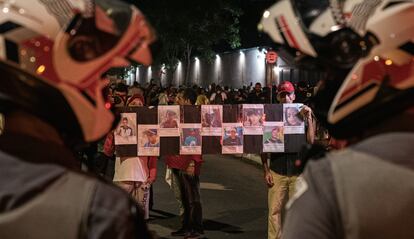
[
  {"x": 253, "y": 118},
  {"x": 273, "y": 137},
  {"x": 199, "y": 131},
  {"x": 169, "y": 120},
  {"x": 232, "y": 138},
  {"x": 148, "y": 140},
  {"x": 190, "y": 139}
]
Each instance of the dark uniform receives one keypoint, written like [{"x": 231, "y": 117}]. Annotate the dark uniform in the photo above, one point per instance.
[
  {"x": 42, "y": 198},
  {"x": 366, "y": 191}
]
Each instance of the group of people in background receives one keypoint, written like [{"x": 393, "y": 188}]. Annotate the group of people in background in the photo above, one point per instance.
[{"x": 154, "y": 94}]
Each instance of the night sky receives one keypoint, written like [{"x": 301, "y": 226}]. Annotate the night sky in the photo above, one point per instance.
[{"x": 253, "y": 11}]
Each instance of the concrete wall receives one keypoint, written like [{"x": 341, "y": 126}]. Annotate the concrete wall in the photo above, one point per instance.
[{"x": 233, "y": 69}]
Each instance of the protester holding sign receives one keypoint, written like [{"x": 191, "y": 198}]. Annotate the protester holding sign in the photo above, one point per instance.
[
  {"x": 280, "y": 176},
  {"x": 186, "y": 168}
]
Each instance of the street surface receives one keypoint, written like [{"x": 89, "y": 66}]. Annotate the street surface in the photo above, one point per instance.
[{"x": 234, "y": 200}]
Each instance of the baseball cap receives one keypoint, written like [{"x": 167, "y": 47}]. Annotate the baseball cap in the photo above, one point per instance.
[
  {"x": 150, "y": 132},
  {"x": 285, "y": 86}
]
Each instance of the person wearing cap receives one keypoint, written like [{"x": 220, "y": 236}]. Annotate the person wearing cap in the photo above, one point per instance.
[
  {"x": 281, "y": 173},
  {"x": 233, "y": 139},
  {"x": 152, "y": 138},
  {"x": 365, "y": 97}
]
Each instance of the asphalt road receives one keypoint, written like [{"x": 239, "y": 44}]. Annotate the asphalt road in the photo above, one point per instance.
[{"x": 234, "y": 200}]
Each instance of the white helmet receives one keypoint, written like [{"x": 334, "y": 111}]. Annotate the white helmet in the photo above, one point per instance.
[
  {"x": 53, "y": 54},
  {"x": 367, "y": 47}
]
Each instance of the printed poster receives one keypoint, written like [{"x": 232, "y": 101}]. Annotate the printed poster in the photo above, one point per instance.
[
  {"x": 273, "y": 137},
  {"x": 211, "y": 120},
  {"x": 190, "y": 139},
  {"x": 292, "y": 120},
  {"x": 148, "y": 140},
  {"x": 168, "y": 120},
  {"x": 125, "y": 132},
  {"x": 253, "y": 118},
  {"x": 232, "y": 138}
]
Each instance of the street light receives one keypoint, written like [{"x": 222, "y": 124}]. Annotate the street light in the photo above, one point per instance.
[
  {"x": 241, "y": 62},
  {"x": 197, "y": 68},
  {"x": 217, "y": 66},
  {"x": 149, "y": 74}
]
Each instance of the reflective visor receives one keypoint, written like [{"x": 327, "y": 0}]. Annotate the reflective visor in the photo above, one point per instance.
[
  {"x": 93, "y": 36},
  {"x": 309, "y": 10}
]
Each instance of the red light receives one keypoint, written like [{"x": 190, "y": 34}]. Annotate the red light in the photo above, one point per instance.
[
  {"x": 271, "y": 57},
  {"x": 108, "y": 105}
]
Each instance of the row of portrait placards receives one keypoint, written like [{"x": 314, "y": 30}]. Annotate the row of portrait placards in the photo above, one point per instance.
[{"x": 209, "y": 129}]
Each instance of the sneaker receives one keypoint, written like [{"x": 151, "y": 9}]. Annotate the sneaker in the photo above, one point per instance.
[{"x": 179, "y": 232}]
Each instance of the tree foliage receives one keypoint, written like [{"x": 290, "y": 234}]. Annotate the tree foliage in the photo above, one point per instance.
[{"x": 188, "y": 28}]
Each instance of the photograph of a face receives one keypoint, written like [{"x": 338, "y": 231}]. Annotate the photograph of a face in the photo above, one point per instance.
[
  {"x": 253, "y": 118},
  {"x": 211, "y": 120},
  {"x": 232, "y": 138},
  {"x": 125, "y": 132},
  {"x": 149, "y": 140},
  {"x": 292, "y": 119},
  {"x": 190, "y": 139},
  {"x": 273, "y": 137},
  {"x": 168, "y": 120}
]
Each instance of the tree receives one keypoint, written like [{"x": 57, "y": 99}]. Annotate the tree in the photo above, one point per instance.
[{"x": 186, "y": 28}]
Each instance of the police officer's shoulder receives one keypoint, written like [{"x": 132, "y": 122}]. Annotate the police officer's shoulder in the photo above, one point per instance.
[
  {"x": 317, "y": 179},
  {"x": 112, "y": 212}
]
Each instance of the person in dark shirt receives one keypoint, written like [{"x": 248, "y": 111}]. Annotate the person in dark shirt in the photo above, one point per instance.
[
  {"x": 257, "y": 96},
  {"x": 365, "y": 98},
  {"x": 280, "y": 176},
  {"x": 233, "y": 139}
]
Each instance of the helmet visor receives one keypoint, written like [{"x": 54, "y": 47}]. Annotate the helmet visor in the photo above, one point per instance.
[
  {"x": 308, "y": 11},
  {"x": 93, "y": 36}
]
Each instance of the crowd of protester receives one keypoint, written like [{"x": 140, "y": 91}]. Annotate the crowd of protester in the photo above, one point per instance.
[
  {"x": 101, "y": 158},
  {"x": 154, "y": 94}
]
